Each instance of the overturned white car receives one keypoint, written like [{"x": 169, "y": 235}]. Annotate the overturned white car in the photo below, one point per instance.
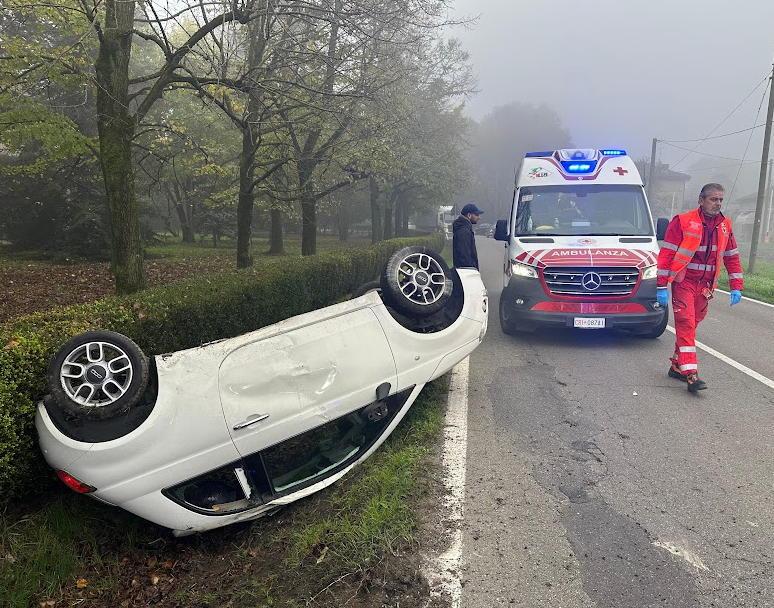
[{"x": 231, "y": 430}]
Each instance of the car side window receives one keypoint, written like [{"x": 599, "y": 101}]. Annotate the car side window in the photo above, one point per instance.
[{"x": 323, "y": 450}]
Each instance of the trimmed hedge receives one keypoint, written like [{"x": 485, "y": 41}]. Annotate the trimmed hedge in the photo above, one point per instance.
[{"x": 165, "y": 319}]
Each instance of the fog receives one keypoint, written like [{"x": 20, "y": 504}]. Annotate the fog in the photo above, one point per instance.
[{"x": 620, "y": 73}]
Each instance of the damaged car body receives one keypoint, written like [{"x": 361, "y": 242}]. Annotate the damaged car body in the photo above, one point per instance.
[{"x": 229, "y": 431}]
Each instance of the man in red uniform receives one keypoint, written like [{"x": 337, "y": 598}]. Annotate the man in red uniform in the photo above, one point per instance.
[{"x": 690, "y": 259}]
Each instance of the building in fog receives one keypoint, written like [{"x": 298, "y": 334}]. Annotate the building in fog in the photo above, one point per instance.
[{"x": 667, "y": 196}]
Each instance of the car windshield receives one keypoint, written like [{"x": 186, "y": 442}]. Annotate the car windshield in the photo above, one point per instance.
[{"x": 582, "y": 210}]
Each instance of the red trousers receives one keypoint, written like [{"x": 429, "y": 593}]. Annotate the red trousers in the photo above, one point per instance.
[{"x": 689, "y": 306}]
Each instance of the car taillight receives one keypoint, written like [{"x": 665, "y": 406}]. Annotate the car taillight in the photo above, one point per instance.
[{"x": 74, "y": 484}]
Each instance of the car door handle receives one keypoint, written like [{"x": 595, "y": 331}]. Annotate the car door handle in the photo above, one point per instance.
[{"x": 250, "y": 421}]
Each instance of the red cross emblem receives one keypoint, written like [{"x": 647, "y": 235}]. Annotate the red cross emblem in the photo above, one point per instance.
[{"x": 621, "y": 171}]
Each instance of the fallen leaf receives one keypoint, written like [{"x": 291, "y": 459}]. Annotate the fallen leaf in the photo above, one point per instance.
[
  {"x": 47, "y": 603},
  {"x": 81, "y": 583},
  {"x": 322, "y": 554},
  {"x": 168, "y": 564},
  {"x": 152, "y": 561},
  {"x": 154, "y": 579},
  {"x": 11, "y": 344}
]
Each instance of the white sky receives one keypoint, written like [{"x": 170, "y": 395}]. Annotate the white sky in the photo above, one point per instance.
[{"x": 620, "y": 72}]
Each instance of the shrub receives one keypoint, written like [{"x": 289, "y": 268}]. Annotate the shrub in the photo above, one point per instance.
[{"x": 164, "y": 319}]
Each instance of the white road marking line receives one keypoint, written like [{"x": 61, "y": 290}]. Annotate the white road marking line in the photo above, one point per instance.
[
  {"x": 725, "y": 359},
  {"x": 687, "y": 555},
  {"x": 445, "y": 571},
  {"x": 761, "y": 302}
]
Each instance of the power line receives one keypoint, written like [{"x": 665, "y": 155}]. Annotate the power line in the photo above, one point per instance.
[
  {"x": 722, "y": 122},
  {"x": 688, "y": 141},
  {"x": 702, "y": 169},
  {"x": 747, "y": 148},
  {"x": 699, "y": 153}
]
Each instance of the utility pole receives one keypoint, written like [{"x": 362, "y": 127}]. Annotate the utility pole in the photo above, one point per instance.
[
  {"x": 771, "y": 204},
  {"x": 756, "y": 233},
  {"x": 651, "y": 171}
]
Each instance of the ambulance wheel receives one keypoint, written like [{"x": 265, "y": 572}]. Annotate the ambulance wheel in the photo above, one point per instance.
[
  {"x": 508, "y": 323},
  {"x": 658, "y": 329},
  {"x": 416, "y": 281}
]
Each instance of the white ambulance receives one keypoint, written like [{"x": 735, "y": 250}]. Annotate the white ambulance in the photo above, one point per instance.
[{"x": 580, "y": 246}]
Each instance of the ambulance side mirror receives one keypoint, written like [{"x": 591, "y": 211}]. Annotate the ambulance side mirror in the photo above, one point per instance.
[
  {"x": 661, "y": 227},
  {"x": 501, "y": 230}
]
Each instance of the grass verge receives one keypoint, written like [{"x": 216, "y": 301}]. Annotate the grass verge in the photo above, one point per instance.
[
  {"x": 72, "y": 550},
  {"x": 759, "y": 285}
]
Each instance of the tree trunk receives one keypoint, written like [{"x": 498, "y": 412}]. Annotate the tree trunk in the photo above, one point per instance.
[
  {"x": 308, "y": 208},
  {"x": 276, "y": 240},
  {"x": 344, "y": 223},
  {"x": 186, "y": 222},
  {"x": 404, "y": 215},
  {"x": 116, "y": 131},
  {"x": 401, "y": 215},
  {"x": 250, "y": 139},
  {"x": 308, "y": 224},
  {"x": 246, "y": 199},
  {"x": 387, "y": 227},
  {"x": 376, "y": 215}
]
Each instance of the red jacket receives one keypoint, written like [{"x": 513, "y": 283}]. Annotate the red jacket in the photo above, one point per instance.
[{"x": 702, "y": 266}]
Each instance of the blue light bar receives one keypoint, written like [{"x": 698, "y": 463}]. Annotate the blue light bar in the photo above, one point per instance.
[
  {"x": 613, "y": 152},
  {"x": 571, "y": 166},
  {"x": 539, "y": 154}
]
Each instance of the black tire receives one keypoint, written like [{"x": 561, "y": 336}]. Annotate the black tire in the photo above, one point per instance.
[
  {"x": 132, "y": 380},
  {"x": 507, "y": 323},
  {"x": 416, "y": 270},
  {"x": 366, "y": 287},
  {"x": 658, "y": 330}
]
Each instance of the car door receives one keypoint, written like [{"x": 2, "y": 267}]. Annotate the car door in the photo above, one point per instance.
[{"x": 288, "y": 384}]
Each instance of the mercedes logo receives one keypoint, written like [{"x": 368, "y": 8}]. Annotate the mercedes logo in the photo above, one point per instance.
[{"x": 591, "y": 281}]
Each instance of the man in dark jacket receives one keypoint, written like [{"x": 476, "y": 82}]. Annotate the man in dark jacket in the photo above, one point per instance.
[{"x": 464, "y": 242}]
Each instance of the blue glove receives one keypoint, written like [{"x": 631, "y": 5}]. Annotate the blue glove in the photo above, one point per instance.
[
  {"x": 735, "y": 297},
  {"x": 662, "y": 296}
]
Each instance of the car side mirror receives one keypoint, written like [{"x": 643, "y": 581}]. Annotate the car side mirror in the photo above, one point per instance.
[
  {"x": 501, "y": 230},
  {"x": 661, "y": 227}
]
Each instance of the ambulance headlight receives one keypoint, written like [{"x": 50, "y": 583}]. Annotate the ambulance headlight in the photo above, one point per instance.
[
  {"x": 523, "y": 270},
  {"x": 650, "y": 272}
]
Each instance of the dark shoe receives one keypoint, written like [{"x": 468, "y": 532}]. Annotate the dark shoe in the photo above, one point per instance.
[
  {"x": 673, "y": 373},
  {"x": 695, "y": 384}
]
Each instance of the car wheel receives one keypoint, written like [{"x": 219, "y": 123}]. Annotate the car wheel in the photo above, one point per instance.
[
  {"x": 98, "y": 375},
  {"x": 366, "y": 287},
  {"x": 416, "y": 281},
  {"x": 658, "y": 329},
  {"x": 508, "y": 323}
]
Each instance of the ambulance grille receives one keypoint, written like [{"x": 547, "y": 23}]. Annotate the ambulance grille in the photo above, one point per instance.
[{"x": 599, "y": 281}]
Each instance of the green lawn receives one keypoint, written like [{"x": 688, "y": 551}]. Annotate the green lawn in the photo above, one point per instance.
[
  {"x": 36, "y": 280},
  {"x": 170, "y": 248},
  {"x": 759, "y": 285}
]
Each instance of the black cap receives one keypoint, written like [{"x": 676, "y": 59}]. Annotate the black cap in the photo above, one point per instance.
[{"x": 471, "y": 208}]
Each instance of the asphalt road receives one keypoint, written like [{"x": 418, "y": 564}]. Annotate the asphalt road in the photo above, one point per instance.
[{"x": 593, "y": 479}]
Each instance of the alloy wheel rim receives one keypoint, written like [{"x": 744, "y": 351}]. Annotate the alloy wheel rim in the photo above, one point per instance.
[
  {"x": 96, "y": 374},
  {"x": 421, "y": 279}
]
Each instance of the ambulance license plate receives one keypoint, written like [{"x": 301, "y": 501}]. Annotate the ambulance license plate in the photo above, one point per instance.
[{"x": 590, "y": 323}]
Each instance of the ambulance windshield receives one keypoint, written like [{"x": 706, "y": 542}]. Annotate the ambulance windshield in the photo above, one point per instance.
[{"x": 582, "y": 210}]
